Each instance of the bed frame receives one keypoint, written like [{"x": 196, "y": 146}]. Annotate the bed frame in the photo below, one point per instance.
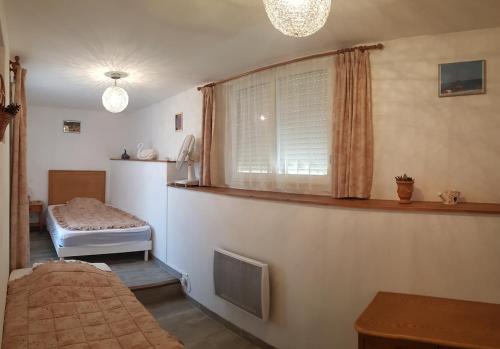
[{"x": 65, "y": 185}]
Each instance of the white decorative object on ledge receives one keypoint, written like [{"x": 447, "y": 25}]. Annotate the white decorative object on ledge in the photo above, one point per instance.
[
  {"x": 145, "y": 154},
  {"x": 298, "y": 18},
  {"x": 450, "y": 197}
]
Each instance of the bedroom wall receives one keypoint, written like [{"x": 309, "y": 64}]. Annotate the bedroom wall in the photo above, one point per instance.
[
  {"x": 327, "y": 263},
  {"x": 103, "y": 135},
  {"x": 445, "y": 143},
  {"x": 4, "y": 177},
  {"x": 155, "y": 124},
  {"x": 415, "y": 131},
  {"x": 139, "y": 187}
]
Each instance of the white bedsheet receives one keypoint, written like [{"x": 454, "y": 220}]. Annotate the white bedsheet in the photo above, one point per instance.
[
  {"x": 70, "y": 238},
  {"x": 19, "y": 273}
]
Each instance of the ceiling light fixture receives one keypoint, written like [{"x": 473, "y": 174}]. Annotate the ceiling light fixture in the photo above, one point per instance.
[
  {"x": 298, "y": 18},
  {"x": 115, "y": 98}
]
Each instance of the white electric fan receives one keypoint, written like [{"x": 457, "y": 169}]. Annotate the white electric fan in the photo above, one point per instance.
[{"x": 183, "y": 158}]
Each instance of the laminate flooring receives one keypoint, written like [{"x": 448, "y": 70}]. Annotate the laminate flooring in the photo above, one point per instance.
[
  {"x": 131, "y": 267},
  {"x": 161, "y": 294},
  {"x": 179, "y": 316}
]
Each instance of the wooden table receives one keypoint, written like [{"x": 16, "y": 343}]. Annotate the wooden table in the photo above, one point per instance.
[
  {"x": 402, "y": 321},
  {"x": 36, "y": 207}
]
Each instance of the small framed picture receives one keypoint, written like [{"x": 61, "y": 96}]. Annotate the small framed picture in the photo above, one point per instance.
[
  {"x": 179, "y": 122},
  {"x": 462, "y": 78},
  {"x": 71, "y": 126}
]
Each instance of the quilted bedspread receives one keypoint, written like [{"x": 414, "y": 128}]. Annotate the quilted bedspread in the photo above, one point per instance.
[
  {"x": 77, "y": 306},
  {"x": 91, "y": 214}
]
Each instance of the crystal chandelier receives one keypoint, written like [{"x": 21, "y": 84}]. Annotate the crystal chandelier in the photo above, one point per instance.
[
  {"x": 298, "y": 18},
  {"x": 114, "y": 98}
]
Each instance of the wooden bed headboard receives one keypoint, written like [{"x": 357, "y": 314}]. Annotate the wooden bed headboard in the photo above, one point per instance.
[{"x": 66, "y": 185}]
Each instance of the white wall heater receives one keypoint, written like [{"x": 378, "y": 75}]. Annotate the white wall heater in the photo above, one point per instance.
[{"x": 243, "y": 282}]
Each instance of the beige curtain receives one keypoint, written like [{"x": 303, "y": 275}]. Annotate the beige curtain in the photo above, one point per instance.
[
  {"x": 207, "y": 133},
  {"x": 353, "y": 130},
  {"x": 19, "y": 204}
]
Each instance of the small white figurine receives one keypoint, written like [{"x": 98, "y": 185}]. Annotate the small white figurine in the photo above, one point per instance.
[
  {"x": 145, "y": 154},
  {"x": 450, "y": 197}
]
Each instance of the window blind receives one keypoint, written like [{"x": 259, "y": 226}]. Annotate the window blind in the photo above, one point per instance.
[
  {"x": 278, "y": 128},
  {"x": 303, "y": 113}
]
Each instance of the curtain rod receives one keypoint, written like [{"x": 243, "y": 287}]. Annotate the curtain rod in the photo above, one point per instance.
[{"x": 317, "y": 55}]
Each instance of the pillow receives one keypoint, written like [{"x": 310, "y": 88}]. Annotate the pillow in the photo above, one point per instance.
[{"x": 85, "y": 204}]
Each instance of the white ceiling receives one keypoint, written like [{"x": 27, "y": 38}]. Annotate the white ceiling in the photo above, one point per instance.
[{"x": 168, "y": 46}]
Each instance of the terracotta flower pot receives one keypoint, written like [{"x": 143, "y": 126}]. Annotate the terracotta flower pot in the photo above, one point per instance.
[{"x": 405, "y": 190}]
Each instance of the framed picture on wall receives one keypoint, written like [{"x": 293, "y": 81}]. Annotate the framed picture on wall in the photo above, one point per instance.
[
  {"x": 462, "y": 78},
  {"x": 71, "y": 126},
  {"x": 179, "y": 122}
]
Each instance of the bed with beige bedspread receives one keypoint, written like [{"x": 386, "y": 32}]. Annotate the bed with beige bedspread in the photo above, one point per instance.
[
  {"x": 77, "y": 306},
  {"x": 91, "y": 214}
]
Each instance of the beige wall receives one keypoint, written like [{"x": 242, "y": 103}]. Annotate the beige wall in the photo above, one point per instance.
[
  {"x": 4, "y": 179},
  {"x": 155, "y": 125},
  {"x": 103, "y": 136},
  {"x": 327, "y": 263},
  {"x": 445, "y": 143}
]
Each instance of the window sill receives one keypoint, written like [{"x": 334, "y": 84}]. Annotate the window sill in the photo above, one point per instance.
[{"x": 375, "y": 204}]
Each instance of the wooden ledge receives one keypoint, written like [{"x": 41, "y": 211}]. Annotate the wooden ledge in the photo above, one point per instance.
[
  {"x": 167, "y": 161},
  {"x": 391, "y": 205},
  {"x": 439, "y": 322}
]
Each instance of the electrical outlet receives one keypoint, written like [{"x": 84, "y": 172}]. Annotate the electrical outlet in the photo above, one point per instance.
[{"x": 185, "y": 283}]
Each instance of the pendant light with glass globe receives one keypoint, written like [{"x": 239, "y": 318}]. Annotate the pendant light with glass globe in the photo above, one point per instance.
[{"x": 115, "y": 98}]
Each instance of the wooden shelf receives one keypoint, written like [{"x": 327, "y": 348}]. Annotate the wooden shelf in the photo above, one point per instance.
[
  {"x": 391, "y": 205},
  {"x": 167, "y": 161}
]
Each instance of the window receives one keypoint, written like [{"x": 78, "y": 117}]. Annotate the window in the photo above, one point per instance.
[{"x": 278, "y": 128}]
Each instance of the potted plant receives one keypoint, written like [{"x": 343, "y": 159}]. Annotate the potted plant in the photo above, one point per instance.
[
  {"x": 405, "y": 188},
  {"x": 7, "y": 114}
]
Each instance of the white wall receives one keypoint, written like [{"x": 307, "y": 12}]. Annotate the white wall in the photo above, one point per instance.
[
  {"x": 155, "y": 124},
  {"x": 4, "y": 176},
  {"x": 446, "y": 143},
  {"x": 103, "y": 135},
  {"x": 140, "y": 188},
  {"x": 326, "y": 264}
]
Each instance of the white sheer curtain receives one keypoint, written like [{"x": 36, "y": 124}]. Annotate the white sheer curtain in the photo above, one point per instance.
[{"x": 278, "y": 128}]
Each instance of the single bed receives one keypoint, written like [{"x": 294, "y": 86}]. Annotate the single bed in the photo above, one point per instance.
[
  {"x": 64, "y": 186},
  {"x": 75, "y": 304}
]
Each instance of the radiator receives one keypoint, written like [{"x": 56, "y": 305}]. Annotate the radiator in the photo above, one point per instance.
[{"x": 243, "y": 282}]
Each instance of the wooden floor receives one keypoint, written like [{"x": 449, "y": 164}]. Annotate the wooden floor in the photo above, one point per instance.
[
  {"x": 131, "y": 267},
  {"x": 189, "y": 324}
]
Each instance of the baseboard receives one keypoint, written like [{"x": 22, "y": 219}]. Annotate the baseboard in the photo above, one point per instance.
[
  {"x": 168, "y": 268},
  {"x": 241, "y": 332}
]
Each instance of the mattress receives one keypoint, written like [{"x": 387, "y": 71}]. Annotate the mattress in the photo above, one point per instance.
[{"x": 71, "y": 238}]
